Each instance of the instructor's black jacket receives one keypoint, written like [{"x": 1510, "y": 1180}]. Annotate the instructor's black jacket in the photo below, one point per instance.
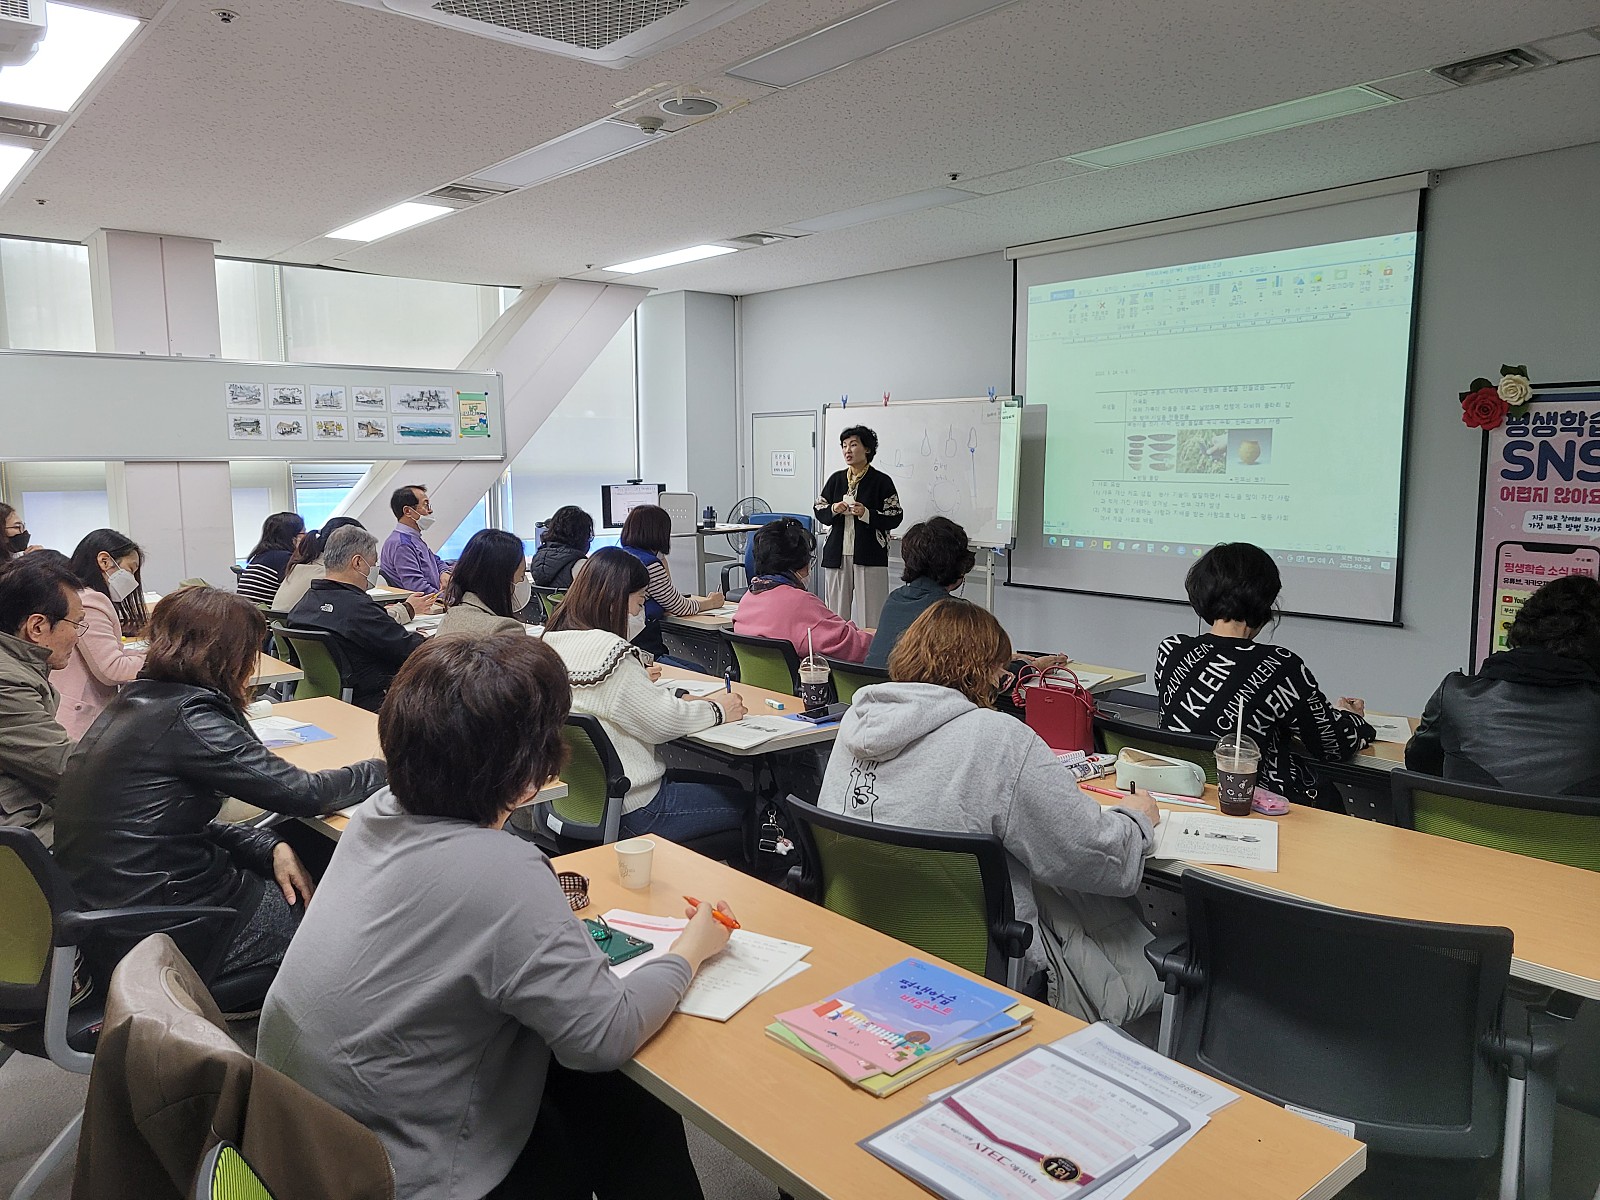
[
  {"x": 876, "y": 493},
  {"x": 1529, "y": 721},
  {"x": 371, "y": 639},
  {"x": 136, "y": 810}
]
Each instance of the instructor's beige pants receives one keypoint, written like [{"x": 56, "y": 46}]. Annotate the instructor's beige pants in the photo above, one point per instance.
[{"x": 862, "y": 588}]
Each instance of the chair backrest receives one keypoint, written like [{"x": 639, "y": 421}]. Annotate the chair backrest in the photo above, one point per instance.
[
  {"x": 1375, "y": 1020},
  {"x": 1563, "y": 829},
  {"x": 224, "y": 1175},
  {"x": 591, "y": 811},
  {"x": 945, "y": 893},
  {"x": 33, "y": 891},
  {"x": 548, "y": 599},
  {"x": 766, "y": 519},
  {"x": 1113, "y": 733},
  {"x": 237, "y": 570},
  {"x": 765, "y": 662},
  {"x": 849, "y": 678},
  {"x": 319, "y": 655}
]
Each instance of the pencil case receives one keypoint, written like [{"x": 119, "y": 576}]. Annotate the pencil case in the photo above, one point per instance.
[{"x": 1158, "y": 773}]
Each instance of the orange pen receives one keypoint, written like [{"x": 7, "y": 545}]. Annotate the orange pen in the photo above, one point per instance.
[{"x": 721, "y": 917}]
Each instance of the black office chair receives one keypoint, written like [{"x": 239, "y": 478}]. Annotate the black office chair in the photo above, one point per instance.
[
  {"x": 946, "y": 893},
  {"x": 1112, "y": 733},
  {"x": 1393, "y": 1026},
  {"x": 769, "y": 663}
]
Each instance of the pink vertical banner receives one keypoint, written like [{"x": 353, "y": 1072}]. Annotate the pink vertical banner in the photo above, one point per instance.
[{"x": 1539, "y": 515}]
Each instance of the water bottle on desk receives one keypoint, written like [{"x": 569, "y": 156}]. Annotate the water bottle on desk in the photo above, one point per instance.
[{"x": 708, "y": 519}]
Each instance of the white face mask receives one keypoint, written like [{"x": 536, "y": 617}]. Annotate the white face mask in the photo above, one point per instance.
[
  {"x": 521, "y": 594},
  {"x": 424, "y": 523},
  {"x": 373, "y": 578},
  {"x": 635, "y": 625},
  {"x": 121, "y": 584}
]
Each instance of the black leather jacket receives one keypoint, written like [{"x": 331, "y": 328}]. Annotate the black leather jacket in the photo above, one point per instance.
[
  {"x": 1529, "y": 721},
  {"x": 136, "y": 810}
]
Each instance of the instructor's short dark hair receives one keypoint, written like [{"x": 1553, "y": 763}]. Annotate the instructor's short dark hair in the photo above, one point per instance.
[
  {"x": 1234, "y": 581},
  {"x": 868, "y": 439},
  {"x": 1562, "y": 617},
  {"x": 936, "y": 549},
  {"x": 783, "y": 547},
  {"x": 473, "y": 724}
]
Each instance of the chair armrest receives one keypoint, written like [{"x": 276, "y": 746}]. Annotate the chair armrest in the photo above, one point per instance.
[
  {"x": 1169, "y": 955},
  {"x": 73, "y": 927},
  {"x": 1013, "y": 937},
  {"x": 727, "y": 576}
]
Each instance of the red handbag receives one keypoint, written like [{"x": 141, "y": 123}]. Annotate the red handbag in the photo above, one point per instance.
[{"x": 1059, "y": 709}]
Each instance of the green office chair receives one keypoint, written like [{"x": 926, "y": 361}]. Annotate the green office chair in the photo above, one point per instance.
[
  {"x": 47, "y": 1007},
  {"x": 550, "y": 598},
  {"x": 1113, "y": 733},
  {"x": 319, "y": 655},
  {"x": 948, "y": 894},
  {"x": 1563, "y": 829},
  {"x": 224, "y": 1175},
  {"x": 765, "y": 662},
  {"x": 849, "y": 678}
]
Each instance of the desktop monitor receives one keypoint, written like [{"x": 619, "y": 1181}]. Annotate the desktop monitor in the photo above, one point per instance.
[{"x": 617, "y": 500}]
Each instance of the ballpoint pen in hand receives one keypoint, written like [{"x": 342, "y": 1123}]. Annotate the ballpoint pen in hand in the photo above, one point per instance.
[
  {"x": 717, "y": 914},
  {"x": 727, "y": 680}
]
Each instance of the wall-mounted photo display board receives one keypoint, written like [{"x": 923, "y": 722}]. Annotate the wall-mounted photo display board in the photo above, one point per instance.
[{"x": 136, "y": 406}]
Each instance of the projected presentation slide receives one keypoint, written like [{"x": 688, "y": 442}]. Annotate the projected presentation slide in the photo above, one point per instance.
[{"x": 1255, "y": 398}]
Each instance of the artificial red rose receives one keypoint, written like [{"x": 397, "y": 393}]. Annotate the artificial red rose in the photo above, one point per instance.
[{"x": 1483, "y": 409}]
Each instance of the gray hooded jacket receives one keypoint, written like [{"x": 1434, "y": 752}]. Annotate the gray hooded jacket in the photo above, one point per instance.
[{"x": 925, "y": 757}]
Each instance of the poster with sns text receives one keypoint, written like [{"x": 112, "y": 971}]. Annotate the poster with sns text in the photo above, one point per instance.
[{"x": 1539, "y": 516}]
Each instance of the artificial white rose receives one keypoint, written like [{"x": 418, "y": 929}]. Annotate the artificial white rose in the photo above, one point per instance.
[{"x": 1515, "y": 389}]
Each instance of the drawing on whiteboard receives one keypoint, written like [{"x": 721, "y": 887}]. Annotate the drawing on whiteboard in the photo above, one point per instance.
[
  {"x": 246, "y": 429},
  {"x": 287, "y": 395},
  {"x": 288, "y": 429},
  {"x": 414, "y": 399},
  {"x": 328, "y": 398},
  {"x": 950, "y": 446},
  {"x": 372, "y": 399},
  {"x": 927, "y": 446},
  {"x": 372, "y": 429},
  {"x": 247, "y": 395},
  {"x": 330, "y": 429}
]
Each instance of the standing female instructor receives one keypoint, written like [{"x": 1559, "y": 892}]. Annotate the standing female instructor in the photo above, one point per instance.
[{"x": 860, "y": 506}]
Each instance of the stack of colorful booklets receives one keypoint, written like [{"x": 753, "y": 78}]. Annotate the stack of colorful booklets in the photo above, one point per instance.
[{"x": 897, "y": 1025}]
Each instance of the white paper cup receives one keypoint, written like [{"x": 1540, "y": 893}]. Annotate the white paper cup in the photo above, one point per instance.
[{"x": 634, "y": 857}]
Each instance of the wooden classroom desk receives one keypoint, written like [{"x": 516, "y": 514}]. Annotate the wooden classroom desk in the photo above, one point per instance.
[
  {"x": 271, "y": 671},
  {"x": 701, "y": 621},
  {"x": 1120, "y": 677},
  {"x": 355, "y": 738},
  {"x": 755, "y": 702},
  {"x": 384, "y": 594},
  {"x": 1552, "y": 910},
  {"x": 798, "y": 1124}
]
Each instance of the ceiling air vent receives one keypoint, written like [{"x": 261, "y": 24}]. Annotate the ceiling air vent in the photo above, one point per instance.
[
  {"x": 1486, "y": 68},
  {"x": 33, "y": 131},
  {"x": 746, "y": 241},
  {"x": 465, "y": 194},
  {"x": 610, "y": 33}
]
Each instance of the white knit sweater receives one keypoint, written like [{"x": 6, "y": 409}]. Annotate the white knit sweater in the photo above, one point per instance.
[{"x": 610, "y": 681}]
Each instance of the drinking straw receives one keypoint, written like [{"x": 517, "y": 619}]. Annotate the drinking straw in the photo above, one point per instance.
[
  {"x": 810, "y": 652},
  {"x": 1238, "y": 730}
]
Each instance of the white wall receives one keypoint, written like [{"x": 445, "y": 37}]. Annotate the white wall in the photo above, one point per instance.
[
  {"x": 1510, "y": 273},
  {"x": 687, "y": 427}
]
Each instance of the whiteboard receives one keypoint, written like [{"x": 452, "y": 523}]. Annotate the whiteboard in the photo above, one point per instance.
[
  {"x": 137, "y": 406},
  {"x": 948, "y": 458}
]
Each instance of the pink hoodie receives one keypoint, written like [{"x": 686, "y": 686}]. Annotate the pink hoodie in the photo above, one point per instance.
[{"x": 785, "y": 613}]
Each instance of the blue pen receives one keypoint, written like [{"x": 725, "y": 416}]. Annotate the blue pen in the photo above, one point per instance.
[{"x": 727, "y": 680}]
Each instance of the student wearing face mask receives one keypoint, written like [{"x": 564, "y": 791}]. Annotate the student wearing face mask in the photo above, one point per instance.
[
  {"x": 408, "y": 561},
  {"x": 488, "y": 587},
  {"x": 14, "y": 536},
  {"x": 612, "y": 679},
  {"x": 338, "y": 603},
  {"x": 106, "y": 564}
]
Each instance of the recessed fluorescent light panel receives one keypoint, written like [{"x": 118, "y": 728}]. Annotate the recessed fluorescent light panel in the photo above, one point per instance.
[
  {"x": 1306, "y": 111},
  {"x": 671, "y": 258},
  {"x": 583, "y": 147},
  {"x": 390, "y": 220},
  {"x": 12, "y": 160},
  {"x": 76, "y": 48},
  {"x": 893, "y": 207},
  {"x": 879, "y": 28}
]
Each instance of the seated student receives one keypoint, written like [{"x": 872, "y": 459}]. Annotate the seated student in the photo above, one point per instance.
[
  {"x": 408, "y": 561},
  {"x": 268, "y": 562},
  {"x": 568, "y": 535},
  {"x": 41, "y": 619},
  {"x": 1529, "y": 720},
  {"x": 14, "y": 535},
  {"x": 106, "y": 564},
  {"x": 306, "y": 564},
  {"x": 136, "y": 816},
  {"x": 1201, "y": 680},
  {"x": 488, "y": 587},
  {"x": 473, "y": 973},
  {"x": 374, "y": 645},
  {"x": 647, "y": 535},
  {"x": 778, "y": 606},
  {"x": 906, "y": 756},
  {"x": 612, "y": 680}
]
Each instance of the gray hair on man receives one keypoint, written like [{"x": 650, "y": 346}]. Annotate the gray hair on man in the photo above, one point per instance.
[{"x": 347, "y": 542}]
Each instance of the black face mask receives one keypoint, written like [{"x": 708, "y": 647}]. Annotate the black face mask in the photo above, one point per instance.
[{"x": 19, "y": 541}]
